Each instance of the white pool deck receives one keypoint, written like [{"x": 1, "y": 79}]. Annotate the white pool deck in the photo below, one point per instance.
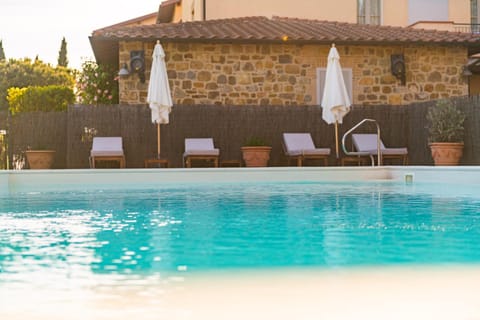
[
  {"x": 57, "y": 180},
  {"x": 448, "y": 293},
  {"x": 377, "y": 293}
]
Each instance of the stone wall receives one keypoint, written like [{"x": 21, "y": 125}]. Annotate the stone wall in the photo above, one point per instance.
[{"x": 283, "y": 74}]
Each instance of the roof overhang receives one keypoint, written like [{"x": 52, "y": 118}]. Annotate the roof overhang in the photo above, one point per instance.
[
  {"x": 166, "y": 11},
  {"x": 262, "y": 30},
  {"x": 105, "y": 50}
]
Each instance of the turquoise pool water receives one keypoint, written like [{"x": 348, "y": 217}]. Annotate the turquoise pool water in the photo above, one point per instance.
[{"x": 201, "y": 227}]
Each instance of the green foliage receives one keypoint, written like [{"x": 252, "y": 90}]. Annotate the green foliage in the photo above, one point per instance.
[
  {"x": 445, "y": 122},
  {"x": 97, "y": 84},
  {"x": 255, "y": 142},
  {"x": 2, "y": 52},
  {"x": 62, "y": 54},
  {"x": 24, "y": 73},
  {"x": 49, "y": 98}
]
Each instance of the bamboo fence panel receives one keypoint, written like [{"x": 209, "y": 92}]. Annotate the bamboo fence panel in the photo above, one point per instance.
[{"x": 70, "y": 132}]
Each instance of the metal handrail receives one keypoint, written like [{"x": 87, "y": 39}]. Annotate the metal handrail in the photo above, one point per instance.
[{"x": 360, "y": 153}]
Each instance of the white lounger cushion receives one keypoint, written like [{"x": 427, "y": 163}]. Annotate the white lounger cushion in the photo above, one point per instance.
[
  {"x": 297, "y": 144},
  {"x": 107, "y": 146},
  {"x": 317, "y": 151},
  {"x": 367, "y": 142},
  {"x": 200, "y": 146},
  {"x": 214, "y": 152},
  {"x": 390, "y": 151}
]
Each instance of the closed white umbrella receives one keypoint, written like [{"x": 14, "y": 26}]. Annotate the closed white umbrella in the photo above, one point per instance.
[
  {"x": 335, "y": 101},
  {"x": 159, "y": 97}
]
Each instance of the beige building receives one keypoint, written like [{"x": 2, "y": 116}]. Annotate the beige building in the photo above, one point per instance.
[
  {"x": 452, "y": 15},
  {"x": 444, "y": 15}
]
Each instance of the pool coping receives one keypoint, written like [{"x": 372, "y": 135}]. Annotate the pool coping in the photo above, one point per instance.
[{"x": 13, "y": 181}]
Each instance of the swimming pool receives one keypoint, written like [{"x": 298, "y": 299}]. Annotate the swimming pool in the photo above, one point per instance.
[
  {"x": 217, "y": 226},
  {"x": 154, "y": 239}
]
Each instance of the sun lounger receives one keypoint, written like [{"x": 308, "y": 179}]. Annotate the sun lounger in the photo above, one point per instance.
[
  {"x": 300, "y": 147},
  {"x": 200, "y": 149},
  {"x": 367, "y": 142},
  {"x": 107, "y": 149}
]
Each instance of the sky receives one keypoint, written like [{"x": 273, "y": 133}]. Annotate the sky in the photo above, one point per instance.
[{"x": 36, "y": 27}]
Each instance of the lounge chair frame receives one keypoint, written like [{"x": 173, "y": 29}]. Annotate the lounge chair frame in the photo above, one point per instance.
[
  {"x": 209, "y": 154},
  {"x": 304, "y": 155},
  {"x": 109, "y": 154},
  {"x": 402, "y": 154}
]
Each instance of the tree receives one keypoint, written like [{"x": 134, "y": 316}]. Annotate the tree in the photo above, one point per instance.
[
  {"x": 2, "y": 52},
  {"x": 62, "y": 54},
  {"x": 23, "y": 73}
]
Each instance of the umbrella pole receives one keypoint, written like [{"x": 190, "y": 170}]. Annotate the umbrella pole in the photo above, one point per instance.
[
  {"x": 336, "y": 138},
  {"x": 158, "y": 140}
]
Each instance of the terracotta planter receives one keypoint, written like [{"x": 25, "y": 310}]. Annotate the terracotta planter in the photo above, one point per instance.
[
  {"x": 446, "y": 153},
  {"x": 40, "y": 159},
  {"x": 256, "y": 156}
]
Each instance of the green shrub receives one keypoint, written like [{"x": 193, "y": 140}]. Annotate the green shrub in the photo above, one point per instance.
[
  {"x": 24, "y": 73},
  {"x": 49, "y": 98},
  {"x": 255, "y": 142},
  {"x": 445, "y": 122}
]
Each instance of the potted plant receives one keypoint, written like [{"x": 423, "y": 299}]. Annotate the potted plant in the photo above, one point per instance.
[
  {"x": 256, "y": 152},
  {"x": 40, "y": 158},
  {"x": 446, "y": 133}
]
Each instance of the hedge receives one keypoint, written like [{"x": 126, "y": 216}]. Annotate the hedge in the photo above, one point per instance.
[{"x": 47, "y": 98}]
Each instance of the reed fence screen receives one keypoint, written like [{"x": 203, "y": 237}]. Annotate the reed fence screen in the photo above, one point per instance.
[
  {"x": 70, "y": 132},
  {"x": 3, "y": 140}
]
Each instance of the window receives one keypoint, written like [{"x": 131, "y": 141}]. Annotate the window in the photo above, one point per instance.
[
  {"x": 473, "y": 11},
  {"x": 474, "y": 14},
  {"x": 427, "y": 10},
  {"x": 368, "y": 12},
  {"x": 347, "y": 77}
]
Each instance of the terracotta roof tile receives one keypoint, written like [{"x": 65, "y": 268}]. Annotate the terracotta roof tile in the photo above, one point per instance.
[
  {"x": 298, "y": 30},
  {"x": 261, "y": 29}
]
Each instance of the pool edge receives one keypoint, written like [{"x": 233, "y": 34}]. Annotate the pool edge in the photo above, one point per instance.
[{"x": 12, "y": 181}]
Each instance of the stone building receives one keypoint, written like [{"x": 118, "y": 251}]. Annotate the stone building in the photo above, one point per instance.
[{"x": 281, "y": 61}]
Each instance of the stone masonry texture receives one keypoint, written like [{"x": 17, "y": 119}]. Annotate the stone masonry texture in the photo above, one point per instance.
[{"x": 286, "y": 74}]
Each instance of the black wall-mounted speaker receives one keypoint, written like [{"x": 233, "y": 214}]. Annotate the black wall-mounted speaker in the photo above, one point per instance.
[
  {"x": 137, "y": 63},
  {"x": 398, "y": 67}
]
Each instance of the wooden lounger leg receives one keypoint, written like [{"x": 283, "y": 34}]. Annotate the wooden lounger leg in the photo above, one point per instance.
[{"x": 299, "y": 161}]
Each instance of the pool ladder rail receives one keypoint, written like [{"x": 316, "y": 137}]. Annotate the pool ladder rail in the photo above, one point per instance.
[{"x": 363, "y": 153}]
